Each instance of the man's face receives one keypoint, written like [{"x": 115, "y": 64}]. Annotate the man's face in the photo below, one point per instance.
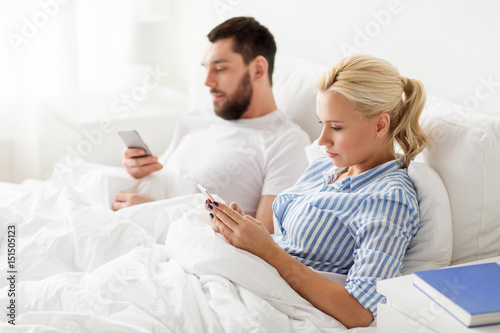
[{"x": 228, "y": 79}]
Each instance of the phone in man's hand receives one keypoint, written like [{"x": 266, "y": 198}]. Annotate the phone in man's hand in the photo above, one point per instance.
[{"x": 132, "y": 139}]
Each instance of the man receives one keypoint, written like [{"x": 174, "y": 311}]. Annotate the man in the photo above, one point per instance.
[{"x": 245, "y": 151}]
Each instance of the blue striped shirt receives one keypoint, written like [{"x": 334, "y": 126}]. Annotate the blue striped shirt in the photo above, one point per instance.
[{"x": 359, "y": 226}]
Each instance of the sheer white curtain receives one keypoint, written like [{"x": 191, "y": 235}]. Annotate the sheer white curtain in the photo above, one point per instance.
[{"x": 55, "y": 56}]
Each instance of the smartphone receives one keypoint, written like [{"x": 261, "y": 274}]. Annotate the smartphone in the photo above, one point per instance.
[
  {"x": 206, "y": 193},
  {"x": 132, "y": 139}
]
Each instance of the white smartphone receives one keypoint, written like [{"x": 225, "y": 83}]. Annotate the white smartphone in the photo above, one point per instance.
[
  {"x": 132, "y": 139},
  {"x": 206, "y": 193}
]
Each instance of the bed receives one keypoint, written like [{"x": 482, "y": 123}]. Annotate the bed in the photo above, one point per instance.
[{"x": 159, "y": 267}]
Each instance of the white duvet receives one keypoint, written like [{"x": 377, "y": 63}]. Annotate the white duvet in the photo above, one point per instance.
[{"x": 156, "y": 267}]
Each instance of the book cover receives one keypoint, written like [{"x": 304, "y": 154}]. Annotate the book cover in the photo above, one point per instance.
[{"x": 470, "y": 293}]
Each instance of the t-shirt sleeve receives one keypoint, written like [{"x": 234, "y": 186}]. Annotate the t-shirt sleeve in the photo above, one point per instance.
[
  {"x": 384, "y": 228},
  {"x": 285, "y": 162}
]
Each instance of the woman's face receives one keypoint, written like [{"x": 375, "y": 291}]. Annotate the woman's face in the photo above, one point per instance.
[{"x": 350, "y": 140}]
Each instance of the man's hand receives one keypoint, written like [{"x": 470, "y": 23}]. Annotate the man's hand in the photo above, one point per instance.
[
  {"x": 139, "y": 167},
  {"x": 129, "y": 199}
]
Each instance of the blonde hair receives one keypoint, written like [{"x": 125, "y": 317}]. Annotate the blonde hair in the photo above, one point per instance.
[{"x": 375, "y": 86}]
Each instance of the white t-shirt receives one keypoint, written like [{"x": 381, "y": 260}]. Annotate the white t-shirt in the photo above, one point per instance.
[{"x": 239, "y": 160}]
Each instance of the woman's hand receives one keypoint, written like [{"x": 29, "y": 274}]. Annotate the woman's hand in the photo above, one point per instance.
[
  {"x": 244, "y": 232},
  {"x": 237, "y": 208},
  {"x": 233, "y": 205}
]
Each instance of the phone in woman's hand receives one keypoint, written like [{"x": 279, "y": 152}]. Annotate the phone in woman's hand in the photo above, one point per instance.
[{"x": 206, "y": 193}]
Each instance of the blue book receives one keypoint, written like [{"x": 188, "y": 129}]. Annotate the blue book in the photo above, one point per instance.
[{"x": 470, "y": 293}]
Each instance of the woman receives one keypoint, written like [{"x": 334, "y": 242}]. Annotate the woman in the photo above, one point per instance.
[{"x": 356, "y": 217}]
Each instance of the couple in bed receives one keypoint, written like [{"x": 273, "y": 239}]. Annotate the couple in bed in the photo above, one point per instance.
[{"x": 354, "y": 210}]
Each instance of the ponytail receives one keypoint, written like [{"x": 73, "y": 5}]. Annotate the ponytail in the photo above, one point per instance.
[
  {"x": 406, "y": 130},
  {"x": 375, "y": 86}
]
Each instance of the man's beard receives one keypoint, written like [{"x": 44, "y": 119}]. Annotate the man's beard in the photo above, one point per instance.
[{"x": 237, "y": 104}]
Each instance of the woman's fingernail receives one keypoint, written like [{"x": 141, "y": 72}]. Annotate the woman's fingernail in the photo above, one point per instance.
[
  {"x": 211, "y": 215},
  {"x": 216, "y": 204},
  {"x": 210, "y": 207}
]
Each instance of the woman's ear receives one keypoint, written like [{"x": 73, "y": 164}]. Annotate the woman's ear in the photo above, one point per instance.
[{"x": 383, "y": 124}]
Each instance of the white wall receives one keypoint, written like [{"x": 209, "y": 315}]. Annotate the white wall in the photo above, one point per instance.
[
  {"x": 33, "y": 66},
  {"x": 452, "y": 46}
]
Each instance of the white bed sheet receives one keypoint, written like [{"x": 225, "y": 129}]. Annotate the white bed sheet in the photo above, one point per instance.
[{"x": 156, "y": 267}]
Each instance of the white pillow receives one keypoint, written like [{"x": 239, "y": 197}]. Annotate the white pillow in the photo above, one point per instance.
[
  {"x": 314, "y": 150},
  {"x": 464, "y": 149},
  {"x": 295, "y": 91},
  {"x": 432, "y": 246}
]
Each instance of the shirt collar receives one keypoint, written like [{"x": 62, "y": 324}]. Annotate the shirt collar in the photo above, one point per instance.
[
  {"x": 333, "y": 173},
  {"x": 357, "y": 181}
]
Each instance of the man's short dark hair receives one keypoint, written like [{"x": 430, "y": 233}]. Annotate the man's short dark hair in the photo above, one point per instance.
[{"x": 250, "y": 39}]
